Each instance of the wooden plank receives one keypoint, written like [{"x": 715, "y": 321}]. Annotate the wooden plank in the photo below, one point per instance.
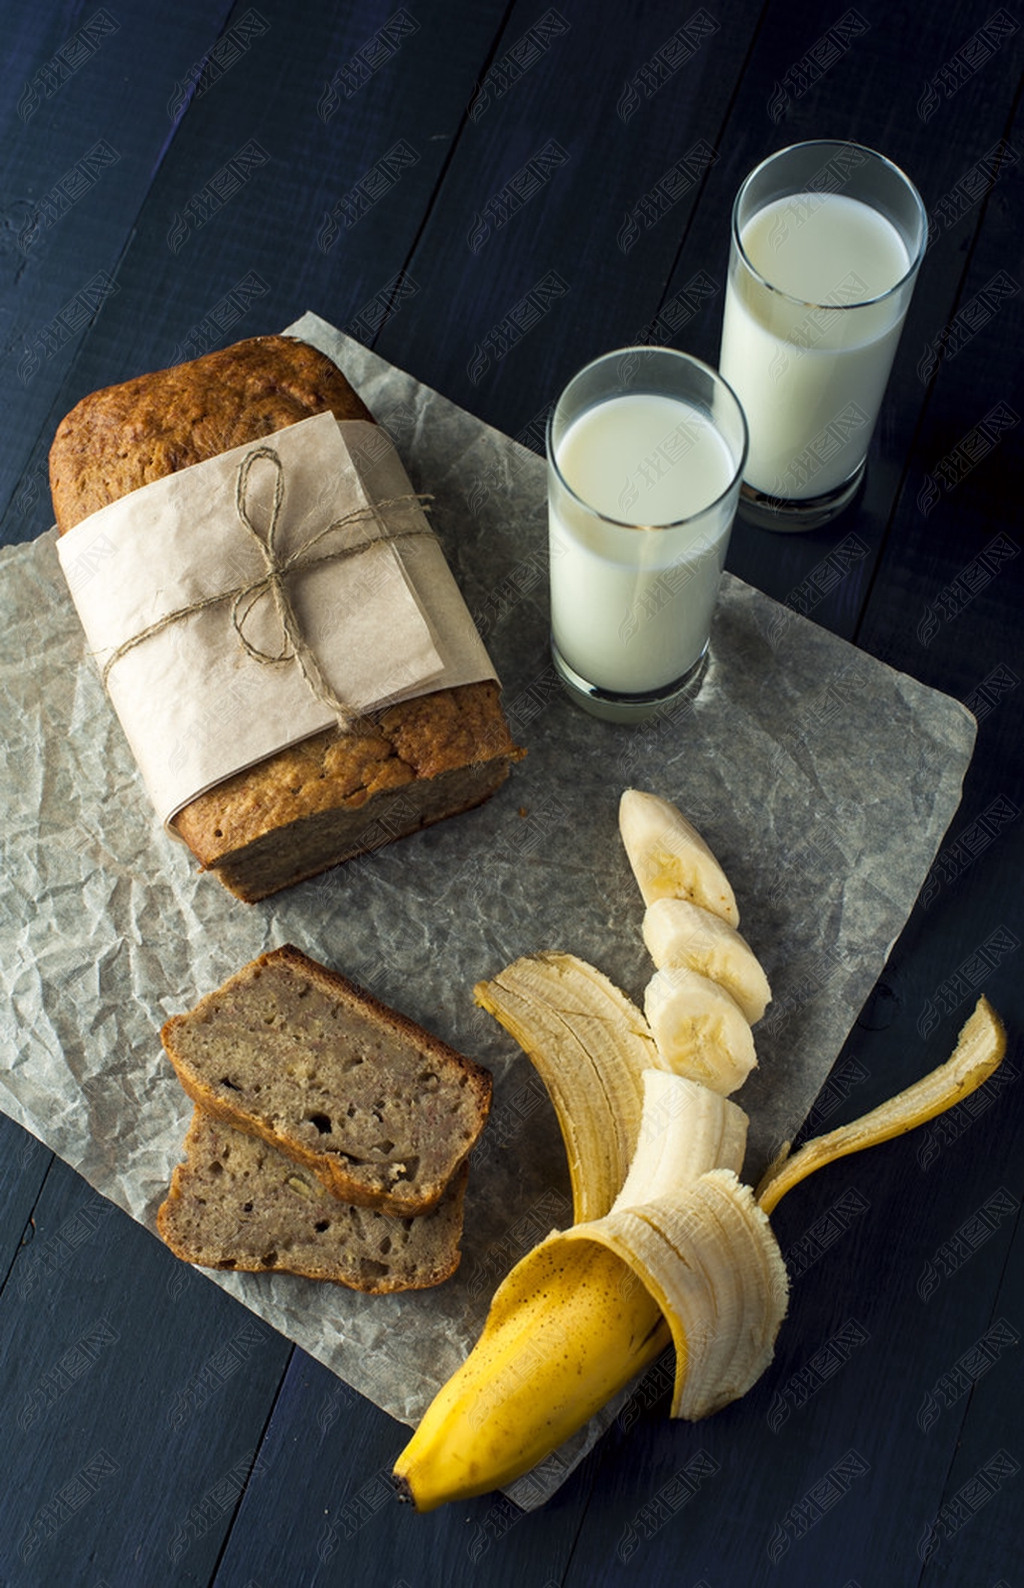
[
  {"x": 905, "y": 1289},
  {"x": 559, "y": 218},
  {"x": 331, "y": 1453},
  {"x": 949, "y": 589},
  {"x": 945, "y": 607},
  {"x": 84, "y": 123},
  {"x": 24, "y": 1163},
  {"x": 136, "y": 1391},
  {"x": 278, "y": 193},
  {"x": 974, "y": 1535}
]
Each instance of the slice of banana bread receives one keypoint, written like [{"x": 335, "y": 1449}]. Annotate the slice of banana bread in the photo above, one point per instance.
[
  {"x": 384, "y": 1113},
  {"x": 237, "y": 1202}
]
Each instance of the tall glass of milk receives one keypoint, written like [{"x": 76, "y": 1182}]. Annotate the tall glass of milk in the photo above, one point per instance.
[
  {"x": 827, "y": 239},
  {"x": 645, "y": 448}
]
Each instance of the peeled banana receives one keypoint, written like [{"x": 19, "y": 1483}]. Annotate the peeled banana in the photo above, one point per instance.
[
  {"x": 591, "y": 1306},
  {"x": 590, "y": 1046},
  {"x": 669, "y": 857},
  {"x": 685, "y": 1131},
  {"x": 585, "y": 1311},
  {"x": 668, "y": 1243}
]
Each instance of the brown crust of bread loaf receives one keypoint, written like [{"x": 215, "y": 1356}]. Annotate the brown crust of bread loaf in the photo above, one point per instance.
[
  {"x": 335, "y": 795},
  {"x": 338, "y": 795},
  {"x": 296, "y": 1113},
  {"x": 126, "y": 436},
  {"x": 237, "y": 1203}
]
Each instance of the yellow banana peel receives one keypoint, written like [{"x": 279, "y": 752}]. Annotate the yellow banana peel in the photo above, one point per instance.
[
  {"x": 979, "y": 1051},
  {"x": 591, "y": 1306},
  {"x": 590, "y": 1045},
  {"x": 568, "y": 1328}
]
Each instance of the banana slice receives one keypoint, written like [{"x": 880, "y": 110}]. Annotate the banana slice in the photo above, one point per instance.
[
  {"x": 679, "y": 933},
  {"x": 700, "y": 1029},
  {"x": 685, "y": 1131},
  {"x": 669, "y": 857},
  {"x": 590, "y": 1045}
]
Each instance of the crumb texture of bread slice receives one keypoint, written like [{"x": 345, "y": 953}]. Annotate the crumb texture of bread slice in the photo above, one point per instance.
[
  {"x": 238, "y": 1203},
  {"x": 382, "y": 1111}
]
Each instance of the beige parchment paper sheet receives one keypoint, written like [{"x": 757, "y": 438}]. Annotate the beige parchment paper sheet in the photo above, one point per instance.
[
  {"x": 823, "y": 780},
  {"x": 378, "y": 634}
]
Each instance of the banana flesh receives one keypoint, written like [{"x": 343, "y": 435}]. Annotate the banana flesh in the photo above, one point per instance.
[
  {"x": 591, "y": 1046},
  {"x": 685, "y": 1131},
  {"x": 679, "y": 933},
  {"x": 669, "y": 857},
  {"x": 699, "y": 1028}
]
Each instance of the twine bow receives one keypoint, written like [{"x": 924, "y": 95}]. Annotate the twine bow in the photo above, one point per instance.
[{"x": 273, "y": 581}]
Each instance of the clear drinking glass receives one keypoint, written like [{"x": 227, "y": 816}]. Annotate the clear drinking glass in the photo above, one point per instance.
[
  {"x": 645, "y": 451},
  {"x": 827, "y": 240}
]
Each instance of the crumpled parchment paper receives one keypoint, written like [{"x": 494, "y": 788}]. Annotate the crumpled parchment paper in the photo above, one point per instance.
[{"x": 822, "y": 779}]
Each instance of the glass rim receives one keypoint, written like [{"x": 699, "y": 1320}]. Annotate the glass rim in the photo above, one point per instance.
[
  {"x": 671, "y": 353},
  {"x": 831, "y": 143}
]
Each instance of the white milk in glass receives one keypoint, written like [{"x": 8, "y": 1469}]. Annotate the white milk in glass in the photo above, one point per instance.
[
  {"x": 631, "y": 606},
  {"x": 809, "y": 372}
]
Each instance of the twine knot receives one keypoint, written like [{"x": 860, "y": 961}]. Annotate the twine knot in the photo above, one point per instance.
[{"x": 245, "y": 598}]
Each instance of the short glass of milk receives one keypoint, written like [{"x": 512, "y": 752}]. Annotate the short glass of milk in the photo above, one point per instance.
[
  {"x": 827, "y": 240},
  {"x": 645, "y": 450}
]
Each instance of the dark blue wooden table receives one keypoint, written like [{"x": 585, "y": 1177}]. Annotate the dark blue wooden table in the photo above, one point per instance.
[{"x": 489, "y": 194}]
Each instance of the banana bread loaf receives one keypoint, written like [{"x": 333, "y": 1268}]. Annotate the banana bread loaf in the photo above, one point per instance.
[
  {"x": 238, "y": 1203},
  {"x": 384, "y": 1113},
  {"x": 336, "y": 794}
]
